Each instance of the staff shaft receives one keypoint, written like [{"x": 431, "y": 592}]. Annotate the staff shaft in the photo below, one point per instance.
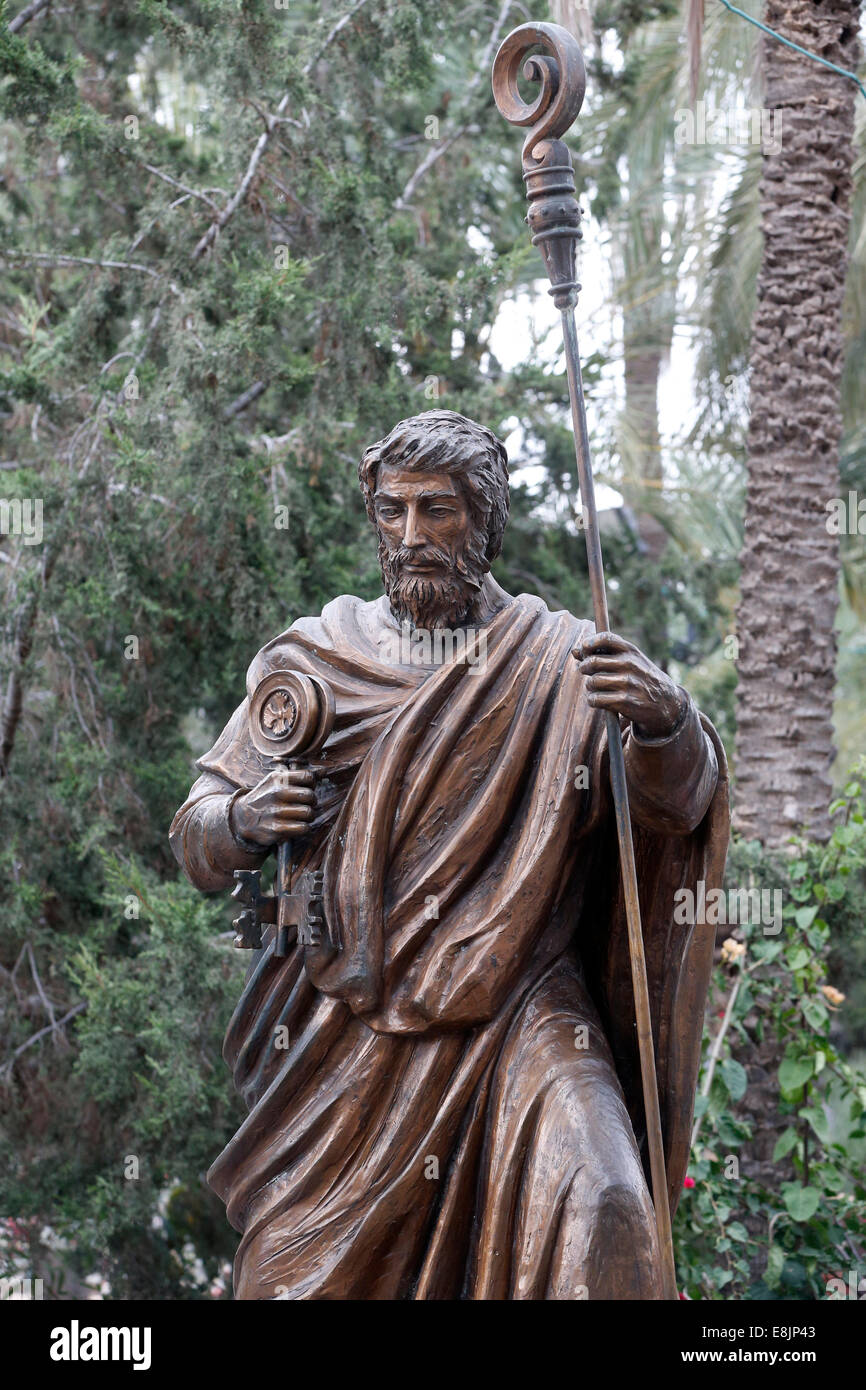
[
  {"x": 554, "y": 222},
  {"x": 623, "y": 819}
]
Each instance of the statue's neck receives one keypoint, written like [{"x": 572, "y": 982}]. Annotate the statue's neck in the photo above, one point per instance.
[{"x": 491, "y": 598}]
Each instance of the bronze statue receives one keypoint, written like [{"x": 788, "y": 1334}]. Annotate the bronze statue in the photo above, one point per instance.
[
  {"x": 462, "y": 1051},
  {"x": 444, "y": 1095}
]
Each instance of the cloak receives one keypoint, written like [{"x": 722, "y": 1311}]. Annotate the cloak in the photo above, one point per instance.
[{"x": 464, "y": 823}]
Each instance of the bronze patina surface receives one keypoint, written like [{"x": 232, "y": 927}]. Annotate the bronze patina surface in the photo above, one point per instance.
[{"x": 444, "y": 1093}]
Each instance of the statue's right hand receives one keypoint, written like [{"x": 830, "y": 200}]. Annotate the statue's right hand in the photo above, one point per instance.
[{"x": 279, "y": 808}]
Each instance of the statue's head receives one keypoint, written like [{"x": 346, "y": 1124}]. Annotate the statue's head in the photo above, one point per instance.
[{"x": 436, "y": 489}]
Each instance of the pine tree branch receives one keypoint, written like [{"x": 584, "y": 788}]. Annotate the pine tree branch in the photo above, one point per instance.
[
  {"x": 49, "y": 1028},
  {"x": 176, "y": 183},
  {"x": 447, "y": 141},
  {"x": 332, "y": 34},
  {"x": 24, "y": 16},
  {"x": 46, "y": 1002},
  {"x": 240, "y": 194},
  {"x": 433, "y": 154},
  {"x": 245, "y": 399},
  {"x": 14, "y": 699},
  {"x": 57, "y": 259},
  {"x": 274, "y": 120},
  {"x": 13, "y": 703}
]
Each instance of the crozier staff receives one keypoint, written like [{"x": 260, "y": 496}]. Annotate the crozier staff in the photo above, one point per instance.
[{"x": 554, "y": 221}]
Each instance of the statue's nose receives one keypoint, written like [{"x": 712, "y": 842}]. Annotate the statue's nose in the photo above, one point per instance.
[{"x": 411, "y": 534}]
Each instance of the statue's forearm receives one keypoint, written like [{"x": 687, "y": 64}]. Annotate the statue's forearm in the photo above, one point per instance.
[
  {"x": 205, "y": 844},
  {"x": 671, "y": 781}
]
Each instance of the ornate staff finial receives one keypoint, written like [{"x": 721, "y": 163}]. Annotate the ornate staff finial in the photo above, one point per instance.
[
  {"x": 560, "y": 71},
  {"x": 554, "y": 215}
]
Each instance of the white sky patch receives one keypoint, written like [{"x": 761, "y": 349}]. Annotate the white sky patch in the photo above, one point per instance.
[
  {"x": 529, "y": 323},
  {"x": 478, "y": 241}
]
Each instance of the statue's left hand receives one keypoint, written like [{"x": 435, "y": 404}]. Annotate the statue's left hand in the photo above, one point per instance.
[{"x": 620, "y": 678}]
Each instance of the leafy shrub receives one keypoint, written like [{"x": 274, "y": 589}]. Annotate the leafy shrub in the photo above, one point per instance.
[{"x": 738, "y": 1235}]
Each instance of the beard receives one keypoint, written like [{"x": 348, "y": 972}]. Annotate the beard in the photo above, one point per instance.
[{"x": 447, "y": 599}]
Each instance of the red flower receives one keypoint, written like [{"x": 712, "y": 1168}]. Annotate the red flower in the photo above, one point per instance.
[{"x": 688, "y": 1182}]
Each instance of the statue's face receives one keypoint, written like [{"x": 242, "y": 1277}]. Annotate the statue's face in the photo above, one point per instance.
[
  {"x": 428, "y": 546},
  {"x": 422, "y": 514}
]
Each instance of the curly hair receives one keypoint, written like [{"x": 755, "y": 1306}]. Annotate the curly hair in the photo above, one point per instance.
[{"x": 442, "y": 441}]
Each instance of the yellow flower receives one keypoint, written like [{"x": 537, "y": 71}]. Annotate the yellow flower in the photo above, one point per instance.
[
  {"x": 833, "y": 996},
  {"x": 732, "y": 950}
]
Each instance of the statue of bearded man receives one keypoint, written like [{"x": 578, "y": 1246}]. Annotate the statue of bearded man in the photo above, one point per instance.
[{"x": 447, "y": 1105}]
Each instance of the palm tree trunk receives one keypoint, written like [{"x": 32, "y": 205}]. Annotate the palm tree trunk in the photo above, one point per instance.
[
  {"x": 644, "y": 354},
  {"x": 790, "y": 561}
]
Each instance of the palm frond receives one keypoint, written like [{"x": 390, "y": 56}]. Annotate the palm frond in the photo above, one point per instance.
[{"x": 694, "y": 34}]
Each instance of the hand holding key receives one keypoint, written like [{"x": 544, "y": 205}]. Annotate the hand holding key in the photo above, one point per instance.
[{"x": 279, "y": 808}]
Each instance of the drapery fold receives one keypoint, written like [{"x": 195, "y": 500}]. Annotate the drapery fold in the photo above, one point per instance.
[{"x": 464, "y": 826}]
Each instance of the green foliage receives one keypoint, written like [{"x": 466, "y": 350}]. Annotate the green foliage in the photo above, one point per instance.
[
  {"x": 737, "y": 1236},
  {"x": 141, "y": 1088},
  {"x": 191, "y": 423},
  {"x": 172, "y": 390}
]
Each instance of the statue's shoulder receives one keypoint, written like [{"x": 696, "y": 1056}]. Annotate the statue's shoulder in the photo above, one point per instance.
[
  {"x": 346, "y": 621},
  {"x": 341, "y": 615},
  {"x": 554, "y": 619}
]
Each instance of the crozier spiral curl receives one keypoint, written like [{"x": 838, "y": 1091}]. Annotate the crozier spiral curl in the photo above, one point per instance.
[{"x": 559, "y": 70}]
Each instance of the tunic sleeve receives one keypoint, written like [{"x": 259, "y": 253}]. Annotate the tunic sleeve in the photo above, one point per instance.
[
  {"x": 201, "y": 835},
  {"x": 671, "y": 780}
]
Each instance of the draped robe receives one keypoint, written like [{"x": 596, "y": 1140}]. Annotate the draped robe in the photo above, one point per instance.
[{"x": 448, "y": 1105}]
